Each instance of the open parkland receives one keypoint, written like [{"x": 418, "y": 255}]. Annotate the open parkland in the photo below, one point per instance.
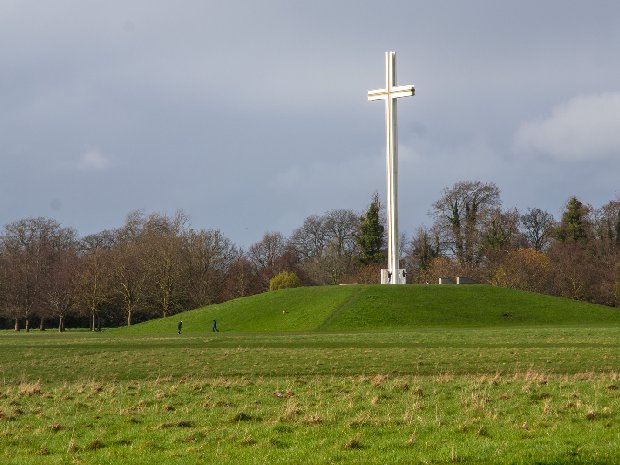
[{"x": 342, "y": 374}]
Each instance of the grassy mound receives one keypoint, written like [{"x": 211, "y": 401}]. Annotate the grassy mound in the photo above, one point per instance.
[{"x": 345, "y": 308}]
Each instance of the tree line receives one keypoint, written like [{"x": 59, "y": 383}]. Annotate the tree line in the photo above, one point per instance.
[
  {"x": 156, "y": 265},
  {"x": 577, "y": 256}
]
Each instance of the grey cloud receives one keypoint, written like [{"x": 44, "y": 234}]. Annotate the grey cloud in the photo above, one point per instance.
[
  {"x": 210, "y": 106},
  {"x": 584, "y": 128},
  {"x": 93, "y": 159}
]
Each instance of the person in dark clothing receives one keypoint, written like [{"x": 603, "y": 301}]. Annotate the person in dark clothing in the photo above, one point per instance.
[
  {"x": 215, "y": 330},
  {"x": 179, "y": 326}
]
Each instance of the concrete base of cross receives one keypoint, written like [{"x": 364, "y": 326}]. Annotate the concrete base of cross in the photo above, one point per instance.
[{"x": 387, "y": 277}]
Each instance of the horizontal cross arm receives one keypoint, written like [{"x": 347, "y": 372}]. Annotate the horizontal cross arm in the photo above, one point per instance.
[
  {"x": 409, "y": 89},
  {"x": 378, "y": 94},
  {"x": 394, "y": 92}
]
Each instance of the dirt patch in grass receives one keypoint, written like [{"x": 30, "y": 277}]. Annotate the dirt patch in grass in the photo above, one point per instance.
[
  {"x": 353, "y": 443},
  {"x": 242, "y": 416},
  {"x": 95, "y": 445},
  {"x": 178, "y": 424}
]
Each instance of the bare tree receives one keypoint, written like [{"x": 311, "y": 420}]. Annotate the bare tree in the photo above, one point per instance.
[
  {"x": 574, "y": 273},
  {"x": 93, "y": 283},
  {"x": 9, "y": 289},
  {"x": 209, "y": 256},
  {"x": 538, "y": 226},
  {"x": 31, "y": 246},
  {"x": 161, "y": 244},
  {"x": 241, "y": 279},
  {"x": 341, "y": 227},
  {"x": 60, "y": 294},
  {"x": 617, "y": 283},
  {"x": 461, "y": 214},
  {"x": 606, "y": 223},
  {"x": 310, "y": 239},
  {"x": 268, "y": 256},
  {"x": 605, "y": 251},
  {"x": 502, "y": 230},
  {"x": 127, "y": 265},
  {"x": 4, "y": 284},
  {"x": 128, "y": 278},
  {"x": 104, "y": 240},
  {"x": 164, "y": 285},
  {"x": 325, "y": 245}
]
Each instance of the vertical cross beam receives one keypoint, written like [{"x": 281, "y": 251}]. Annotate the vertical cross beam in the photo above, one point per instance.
[
  {"x": 390, "y": 93},
  {"x": 392, "y": 165}
]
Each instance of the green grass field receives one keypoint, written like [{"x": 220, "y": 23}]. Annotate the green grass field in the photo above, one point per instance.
[
  {"x": 362, "y": 308},
  {"x": 345, "y": 375}
]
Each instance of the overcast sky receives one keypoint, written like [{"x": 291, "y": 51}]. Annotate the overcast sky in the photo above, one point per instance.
[{"x": 252, "y": 115}]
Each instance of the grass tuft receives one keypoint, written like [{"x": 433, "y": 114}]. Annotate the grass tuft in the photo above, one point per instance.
[
  {"x": 591, "y": 415},
  {"x": 196, "y": 436},
  {"x": 242, "y": 416},
  {"x": 94, "y": 445},
  {"x": 278, "y": 443},
  {"x": 353, "y": 443},
  {"x": 178, "y": 424},
  {"x": 248, "y": 441},
  {"x": 30, "y": 389},
  {"x": 312, "y": 420},
  {"x": 291, "y": 411},
  {"x": 72, "y": 446},
  {"x": 56, "y": 427},
  {"x": 379, "y": 380}
]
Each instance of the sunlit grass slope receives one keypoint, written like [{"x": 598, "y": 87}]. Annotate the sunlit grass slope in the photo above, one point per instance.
[{"x": 345, "y": 308}]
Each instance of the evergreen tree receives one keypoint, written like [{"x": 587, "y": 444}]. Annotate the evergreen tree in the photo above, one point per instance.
[
  {"x": 370, "y": 237},
  {"x": 425, "y": 247},
  {"x": 574, "y": 221}
]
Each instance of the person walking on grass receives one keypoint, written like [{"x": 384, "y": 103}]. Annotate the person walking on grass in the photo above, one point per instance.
[
  {"x": 215, "y": 330},
  {"x": 179, "y": 326}
]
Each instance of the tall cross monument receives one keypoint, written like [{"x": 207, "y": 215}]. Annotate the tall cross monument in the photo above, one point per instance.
[{"x": 393, "y": 274}]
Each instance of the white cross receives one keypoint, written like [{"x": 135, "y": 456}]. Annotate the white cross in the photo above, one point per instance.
[{"x": 390, "y": 93}]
